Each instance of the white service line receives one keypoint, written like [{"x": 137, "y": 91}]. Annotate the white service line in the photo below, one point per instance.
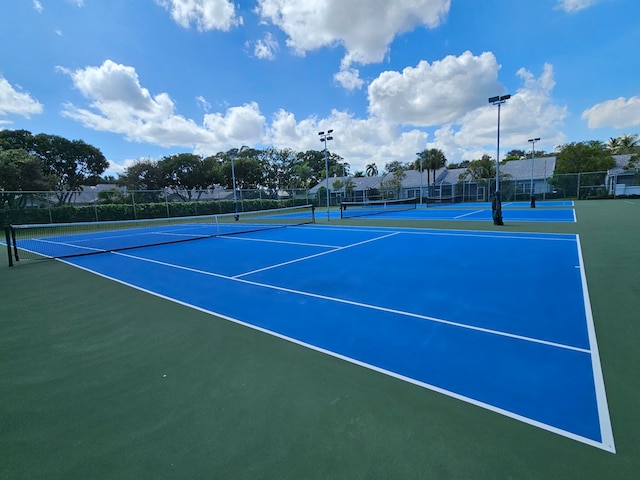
[
  {"x": 359, "y": 304},
  {"x": 270, "y": 267},
  {"x": 302, "y": 244},
  {"x": 467, "y": 214}
]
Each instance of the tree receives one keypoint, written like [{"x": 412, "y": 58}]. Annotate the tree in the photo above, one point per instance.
[
  {"x": 515, "y": 154},
  {"x": 422, "y": 164},
  {"x": 629, "y": 144},
  {"x": 17, "y": 139},
  {"x": 315, "y": 162},
  {"x": 625, "y": 144},
  {"x": 20, "y": 171},
  {"x": 463, "y": 164},
  {"x": 613, "y": 144},
  {"x": 393, "y": 185},
  {"x": 111, "y": 196},
  {"x": 393, "y": 166},
  {"x": 431, "y": 160},
  {"x": 484, "y": 168},
  {"x": 248, "y": 172},
  {"x": 185, "y": 172},
  {"x": 73, "y": 163},
  {"x": 578, "y": 157},
  {"x": 371, "y": 170},
  {"x": 301, "y": 175},
  {"x": 278, "y": 165},
  {"x": 144, "y": 175}
]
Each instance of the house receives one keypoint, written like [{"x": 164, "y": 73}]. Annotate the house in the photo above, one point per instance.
[{"x": 621, "y": 180}]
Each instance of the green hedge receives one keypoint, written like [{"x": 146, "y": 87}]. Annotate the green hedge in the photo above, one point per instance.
[{"x": 110, "y": 212}]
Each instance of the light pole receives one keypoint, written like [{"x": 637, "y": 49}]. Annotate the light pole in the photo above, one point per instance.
[
  {"x": 420, "y": 160},
  {"x": 533, "y": 157},
  {"x": 233, "y": 176},
  {"x": 324, "y": 137},
  {"x": 496, "y": 205}
]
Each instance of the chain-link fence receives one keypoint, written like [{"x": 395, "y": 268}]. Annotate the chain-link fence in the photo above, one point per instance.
[
  {"x": 106, "y": 203},
  {"x": 582, "y": 186}
]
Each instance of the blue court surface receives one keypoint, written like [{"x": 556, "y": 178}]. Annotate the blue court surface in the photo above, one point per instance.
[
  {"x": 481, "y": 211},
  {"x": 477, "y": 213},
  {"x": 499, "y": 320}
]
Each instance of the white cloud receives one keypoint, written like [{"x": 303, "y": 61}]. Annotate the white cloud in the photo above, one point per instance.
[
  {"x": 119, "y": 104},
  {"x": 267, "y": 48},
  {"x": 204, "y": 14},
  {"x": 364, "y": 28},
  {"x": 239, "y": 125},
  {"x": 530, "y": 112},
  {"x": 434, "y": 94},
  {"x": 618, "y": 113},
  {"x": 206, "y": 106},
  {"x": 38, "y": 6},
  {"x": 15, "y": 101},
  {"x": 358, "y": 141},
  {"x": 572, "y": 6},
  {"x": 78, "y": 3},
  {"x": 349, "y": 78}
]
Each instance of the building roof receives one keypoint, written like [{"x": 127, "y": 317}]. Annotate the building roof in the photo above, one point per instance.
[
  {"x": 359, "y": 183},
  {"x": 543, "y": 167}
]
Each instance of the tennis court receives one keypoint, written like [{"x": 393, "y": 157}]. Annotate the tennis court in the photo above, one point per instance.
[
  {"x": 520, "y": 341},
  {"x": 507, "y": 349},
  {"x": 550, "y": 211}
]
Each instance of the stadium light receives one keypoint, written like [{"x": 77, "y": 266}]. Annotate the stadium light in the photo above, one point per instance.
[
  {"x": 325, "y": 137},
  {"x": 533, "y": 157},
  {"x": 496, "y": 205},
  {"x": 420, "y": 158},
  {"x": 233, "y": 177}
]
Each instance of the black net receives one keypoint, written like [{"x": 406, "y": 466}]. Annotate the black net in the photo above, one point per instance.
[
  {"x": 74, "y": 239},
  {"x": 376, "y": 207}
]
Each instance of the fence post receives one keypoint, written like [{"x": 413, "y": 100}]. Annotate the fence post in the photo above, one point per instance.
[{"x": 7, "y": 235}]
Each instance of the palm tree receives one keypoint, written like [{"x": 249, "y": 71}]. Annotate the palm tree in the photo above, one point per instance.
[
  {"x": 421, "y": 164},
  {"x": 614, "y": 145},
  {"x": 371, "y": 170},
  {"x": 435, "y": 160},
  {"x": 628, "y": 143}
]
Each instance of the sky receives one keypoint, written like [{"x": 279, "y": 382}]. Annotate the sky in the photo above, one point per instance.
[{"x": 150, "y": 78}]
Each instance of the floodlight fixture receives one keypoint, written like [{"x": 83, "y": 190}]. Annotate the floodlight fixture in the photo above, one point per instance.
[
  {"x": 496, "y": 204},
  {"x": 325, "y": 137},
  {"x": 533, "y": 156}
]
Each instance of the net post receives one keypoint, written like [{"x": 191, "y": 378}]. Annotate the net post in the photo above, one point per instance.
[
  {"x": 7, "y": 235},
  {"x": 15, "y": 244}
]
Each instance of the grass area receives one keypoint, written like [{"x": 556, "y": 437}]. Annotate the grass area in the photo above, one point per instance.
[{"x": 102, "y": 381}]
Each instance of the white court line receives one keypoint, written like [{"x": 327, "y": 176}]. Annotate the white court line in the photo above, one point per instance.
[
  {"x": 434, "y": 388},
  {"x": 564, "y": 237},
  {"x": 606, "y": 430},
  {"x": 302, "y": 244},
  {"x": 315, "y": 255},
  {"x": 359, "y": 304},
  {"x": 467, "y": 214},
  {"x": 72, "y": 245}
]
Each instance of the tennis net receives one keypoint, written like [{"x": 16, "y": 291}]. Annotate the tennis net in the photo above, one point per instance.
[
  {"x": 64, "y": 240},
  {"x": 376, "y": 207}
]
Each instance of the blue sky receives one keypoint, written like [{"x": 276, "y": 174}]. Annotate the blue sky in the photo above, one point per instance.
[{"x": 149, "y": 78}]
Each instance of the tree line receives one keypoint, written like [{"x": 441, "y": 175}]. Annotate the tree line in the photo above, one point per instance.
[{"x": 46, "y": 162}]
